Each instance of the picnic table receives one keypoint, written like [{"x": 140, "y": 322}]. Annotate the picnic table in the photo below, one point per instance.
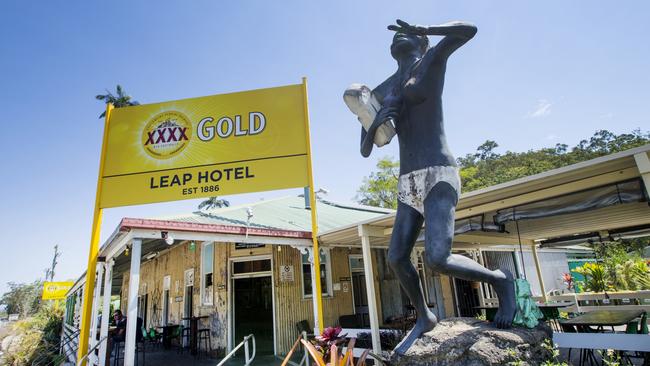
[
  {"x": 550, "y": 310},
  {"x": 598, "y": 339},
  {"x": 605, "y": 318}
]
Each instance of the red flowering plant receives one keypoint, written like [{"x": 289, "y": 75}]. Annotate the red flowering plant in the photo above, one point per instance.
[
  {"x": 331, "y": 336},
  {"x": 568, "y": 280}
]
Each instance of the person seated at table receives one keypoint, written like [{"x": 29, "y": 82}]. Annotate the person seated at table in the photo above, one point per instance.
[
  {"x": 120, "y": 326},
  {"x": 116, "y": 334},
  {"x": 119, "y": 333}
]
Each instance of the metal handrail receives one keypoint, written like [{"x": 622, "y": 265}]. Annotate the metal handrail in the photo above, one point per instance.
[
  {"x": 247, "y": 358},
  {"x": 91, "y": 350},
  {"x": 68, "y": 340},
  {"x": 54, "y": 349}
]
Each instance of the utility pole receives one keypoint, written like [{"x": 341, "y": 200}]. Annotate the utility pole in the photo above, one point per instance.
[{"x": 50, "y": 272}]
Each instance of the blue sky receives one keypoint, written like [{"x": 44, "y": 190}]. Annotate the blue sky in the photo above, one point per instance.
[{"x": 535, "y": 75}]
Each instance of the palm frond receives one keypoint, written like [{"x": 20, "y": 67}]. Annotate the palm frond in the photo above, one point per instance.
[
  {"x": 213, "y": 202},
  {"x": 118, "y": 101}
]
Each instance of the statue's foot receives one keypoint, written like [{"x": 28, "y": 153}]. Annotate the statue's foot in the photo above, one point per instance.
[
  {"x": 505, "y": 289},
  {"x": 422, "y": 325}
]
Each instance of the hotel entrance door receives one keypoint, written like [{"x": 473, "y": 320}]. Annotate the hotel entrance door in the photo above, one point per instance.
[{"x": 253, "y": 303}]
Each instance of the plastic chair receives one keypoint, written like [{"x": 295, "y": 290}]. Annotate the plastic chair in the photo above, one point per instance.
[
  {"x": 303, "y": 326},
  {"x": 150, "y": 337},
  {"x": 177, "y": 334},
  {"x": 643, "y": 326},
  {"x": 632, "y": 327},
  {"x": 155, "y": 337},
  {"x": 551, "y": 317}
]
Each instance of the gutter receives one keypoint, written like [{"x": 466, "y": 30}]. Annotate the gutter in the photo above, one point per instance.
[{"x": 151, "y": 224}]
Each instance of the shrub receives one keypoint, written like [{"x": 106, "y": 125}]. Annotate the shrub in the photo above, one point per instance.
[
  {"x": 615, "y": 273},
  {"x": 596, "y": 277},
  {"x": 38, "y": 337}
]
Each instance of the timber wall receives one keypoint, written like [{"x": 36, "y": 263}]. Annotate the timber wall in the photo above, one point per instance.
[{"x": 290, "y": 305}]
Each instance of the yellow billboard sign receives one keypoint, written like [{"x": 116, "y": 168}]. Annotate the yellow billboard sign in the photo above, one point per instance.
[
  {"x": 56, "y": 290},
  {"x": 208, "y": 146}
]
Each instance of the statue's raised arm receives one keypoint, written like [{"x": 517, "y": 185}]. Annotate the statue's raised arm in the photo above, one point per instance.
[{"x": 456, "y": 33}]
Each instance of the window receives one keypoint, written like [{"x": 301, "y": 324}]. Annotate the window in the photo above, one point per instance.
[
  {"x": 252, "y": 266},
  {"x": 142, "y": 308},
  {"x": 207, "y": 268},
  {"x": 167, "y": 281},
  {"x": 325, "y": 274}
]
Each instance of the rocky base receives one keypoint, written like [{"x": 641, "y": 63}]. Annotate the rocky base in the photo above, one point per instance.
[{"x": 468, "y": 341}]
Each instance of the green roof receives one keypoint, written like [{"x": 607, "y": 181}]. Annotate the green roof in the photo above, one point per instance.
[{"x": 286, "y": 213}]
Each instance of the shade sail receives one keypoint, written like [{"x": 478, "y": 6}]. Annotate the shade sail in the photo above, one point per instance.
[{"x": 613, "y": 194}]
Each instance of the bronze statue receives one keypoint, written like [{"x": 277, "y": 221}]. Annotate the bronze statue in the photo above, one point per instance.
[{"x": 409, "y": 102}]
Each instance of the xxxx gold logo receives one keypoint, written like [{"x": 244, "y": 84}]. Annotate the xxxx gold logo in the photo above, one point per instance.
[{"x": 166, "y": 134}]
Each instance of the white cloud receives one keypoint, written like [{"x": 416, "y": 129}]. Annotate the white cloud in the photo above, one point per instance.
[
  {"x": 552, "y": 137},
  {"x": 542, "y": 109}
]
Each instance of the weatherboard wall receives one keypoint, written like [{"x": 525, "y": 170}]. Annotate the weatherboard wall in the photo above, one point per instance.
[{"x": 174, "y": 263}]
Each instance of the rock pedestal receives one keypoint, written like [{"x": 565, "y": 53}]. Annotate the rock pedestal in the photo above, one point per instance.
[{"x": 472, "y": 342}]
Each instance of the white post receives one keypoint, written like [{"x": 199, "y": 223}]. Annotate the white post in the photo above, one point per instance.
[
  {"x": 132, "y": 310},
  {"x": 479, "y": 258},
  {"x": 98, "y": 292},
  {"x": 106, "y": 310},
  {"x": 538, "y": 268},
  {"x": 314, "y": 272},
  {"x": 370, "y": 289},
  {"x": 643, "y": 163},
  {"x": 517, "y": 255}
]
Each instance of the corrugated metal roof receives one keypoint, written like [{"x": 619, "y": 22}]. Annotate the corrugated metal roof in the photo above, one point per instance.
[
  {"x": 286, "y": 213},
  {"x": 578, "y": 177}
]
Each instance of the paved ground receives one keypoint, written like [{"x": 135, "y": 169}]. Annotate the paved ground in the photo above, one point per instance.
[
  {"x": 575, "y": 357},
  {"x": 172, "y": 358}
]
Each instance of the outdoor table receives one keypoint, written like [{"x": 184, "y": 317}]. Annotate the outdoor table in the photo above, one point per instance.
[
  {"x": 167, "y": 331},
  {"x": 490, "y": 311},
  {"x": 602, "y": 318},
  {"x": 550, "y": 310},
  {"x": 194, "y": 328}
]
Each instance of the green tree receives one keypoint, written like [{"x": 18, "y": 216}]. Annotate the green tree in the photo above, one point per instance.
[
  {"x": 380, "y": 189},
  {"x": 486, "y": 167},
  {"x": 118, "y": 100},
  {"x": 22, "y": 298},
  {"x": 212, "y": 203}
]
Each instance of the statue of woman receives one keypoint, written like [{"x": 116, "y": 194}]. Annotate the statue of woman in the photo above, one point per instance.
[{"x": 429, "y": 183}]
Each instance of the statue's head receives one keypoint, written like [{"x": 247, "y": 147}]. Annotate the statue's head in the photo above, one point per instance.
[{"x": 405, "y": 43}]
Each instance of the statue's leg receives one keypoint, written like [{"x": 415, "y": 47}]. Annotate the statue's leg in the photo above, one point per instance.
[
  {"x": 439, "y": 212},
  {"x": 407, "y": 226}
]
